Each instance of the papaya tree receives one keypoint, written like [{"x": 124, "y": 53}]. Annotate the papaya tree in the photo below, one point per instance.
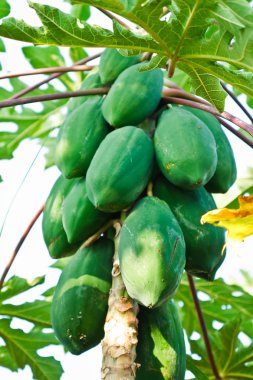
[{"x": 139, "y": 139}]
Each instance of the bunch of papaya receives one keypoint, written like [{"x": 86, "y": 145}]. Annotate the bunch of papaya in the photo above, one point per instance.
[{"x": 126, "y": 157}]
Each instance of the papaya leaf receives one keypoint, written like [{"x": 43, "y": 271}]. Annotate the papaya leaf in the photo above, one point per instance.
[
  {"x": 2, "y": 46},
  {"x": 17, "y": 285},
  {"x": 37, "y": 312},
  {"x": 4, "y": 8},
  {"x": 82, "y": 12},
  {"x": 232, "y": 359},
  {"x": 191, "y": 366},
  {"x": 23, "y": 349},
  {"x": 6, "y": 360},
  {"x": 219, "y": 301},
  {"x": 238, "y": 222}
]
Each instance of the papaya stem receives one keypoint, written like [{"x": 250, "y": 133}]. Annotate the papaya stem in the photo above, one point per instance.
[
  {"x": 51, "y": 77},
  {"x": 203, "y": 327},
  {"x": 97, "y": 235},
  {"x": 120, "y": 340},
  {"x": 113, "y": 17},
  {"x": 150, "y": 189},
  {"x": 19, "y": 245}
]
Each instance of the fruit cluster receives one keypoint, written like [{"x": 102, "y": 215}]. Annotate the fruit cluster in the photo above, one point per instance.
[{"x": 126, "y": 154}]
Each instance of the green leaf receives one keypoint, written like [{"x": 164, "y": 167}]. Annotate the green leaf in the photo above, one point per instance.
[
  {"x": 65, "y": 30},
  {"x": 2, "y": 46},
  {"x": 4, "y": 8},
  {"x": 23, "y": 348},
  {"x": 206, "y": 86},
  {"x": 191, "y": 366},
  {"x": 223, "y": 303},
  {"x": 17, "y": 285},
  {"x": 6, "y": 360},
  {"x": 37, "y": 312},
  {"x": 80, "y": 11},
  {"x": 60, "y": 263},
  {"x": 43, "y": 56}
]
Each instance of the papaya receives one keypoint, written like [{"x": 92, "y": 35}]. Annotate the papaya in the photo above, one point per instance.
[
  {"x": 151, "y": 252},
  {"x": 80, "y": 301},
  {"x": 52, "y": 228},
  {"x": 204, "y": 242},
  {"x": 92, "y": 80},
  {"x": 225, "y": 173},
  {"x": 185, "y": 148},
  {"x": 120, "y": 169},
  {"x": 112, "y": 63},
  {"x": 133, "y": 96},
  {"x": 161, "y": 348},
  {"x": 79, "y": 217},
  {"x": 79, "y": 138}
]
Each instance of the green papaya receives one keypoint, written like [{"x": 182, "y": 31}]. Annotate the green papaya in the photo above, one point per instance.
[
  {"x": 80, "y": 300},
  {"x": 204, "y": 242},
  {"x": 79, "y": 217},
  {"x": 92, "y": 80},
  {"x": 112, "y": 63},
  {"x": 120, "y": 169},
  {"x": 161, "y": 348},
  {"x": 52, "y": 228},
  {"x": 79, "y": 138},
  {"x": 225, "y": 173},
  {"x": 185, "y": 148},
  {"x": 151, "y": 252},
  {"x": 133, "y": 96}
]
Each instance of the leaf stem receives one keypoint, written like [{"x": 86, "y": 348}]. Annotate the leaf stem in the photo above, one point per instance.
[
  {"x": 51, "y": 77},
  {"x": 19, "y": 245},
  {"x": 48, "y": 70},
  {"x": 236, "y": 132},
  {"x": 240, "y": 123},
  {"x": 237, "y": 101},
  {"x": 97, "y": 235},
  {"x": 113, "y": 17},
  {"x": 203, "y": 327},
  {"x": 62, "y": 95}
]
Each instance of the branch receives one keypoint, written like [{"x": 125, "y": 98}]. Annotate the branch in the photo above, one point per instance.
[
  {"x": 237, "y": 101},
  {"x": 203, "y": 327},
  {"x": 19, "y": 245},
  {"x": 240, "y": 123},
  {"x": 112, "y": 17},
  {"x": 62, "y": 95},
  {"x": 180, "y": 93},
  {"x": 236, "y": 132},
  {"x": 51, "y": 77},
  {"x": 48, "y": 70}
]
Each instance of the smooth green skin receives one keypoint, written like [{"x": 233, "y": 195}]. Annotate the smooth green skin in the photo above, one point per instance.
[
  {"x": 80, "y": 300},
  {"x": 79, "y": 217},
  {"x": 120, "y": 169},
  {"x": 52, "y": 228},
  {"x": 225, "y": 173},
  {"x": 112, "y": 63},
  {"x": 133, "y": 96},
  {"x": 151, "y": 252},
  {"x": 91, "y": 81},
  {"x": 185, "y": 149},
  {"x": 79, "y": 138},
  {"x": 204, "y": 242},
  {"x": 161, "y": 347}
]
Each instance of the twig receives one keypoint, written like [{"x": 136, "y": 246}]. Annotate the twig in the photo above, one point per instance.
[
  {"x": 19, "y": 245},
  {"x": 97, "y": 235},
  {"x": 112, "y": 17},
  {"x": 48, "y": 70},
  {"x": 237, "y": 101},
  {"x": 203, "y": 328},
  {"x": 51, "y": 77},
  {"x": 62, "y": 95}
]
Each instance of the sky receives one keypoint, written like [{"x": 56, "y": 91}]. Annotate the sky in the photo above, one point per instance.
[{"x": 33, "y": 259}]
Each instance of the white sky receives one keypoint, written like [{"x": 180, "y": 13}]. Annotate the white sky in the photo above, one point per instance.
[{"x": 33, "y": 259}]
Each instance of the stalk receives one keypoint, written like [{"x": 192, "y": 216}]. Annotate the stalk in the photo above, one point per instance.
[{"x": 121, "y": 327}]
